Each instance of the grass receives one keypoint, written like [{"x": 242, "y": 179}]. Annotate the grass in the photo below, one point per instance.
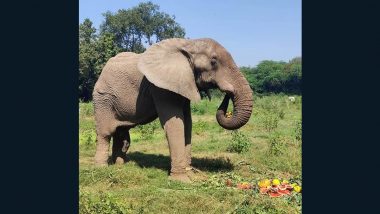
[{"x": 141, "y": 185}]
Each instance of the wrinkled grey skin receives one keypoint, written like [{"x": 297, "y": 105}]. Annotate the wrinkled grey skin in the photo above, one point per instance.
[{"x": 135, "y": 89}]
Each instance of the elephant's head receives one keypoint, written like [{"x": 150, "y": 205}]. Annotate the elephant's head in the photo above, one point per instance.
[{"x": 189, "y": 66}]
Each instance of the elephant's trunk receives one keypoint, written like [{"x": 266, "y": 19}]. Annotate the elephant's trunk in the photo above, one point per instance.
[{"x": 242, "y": 100}]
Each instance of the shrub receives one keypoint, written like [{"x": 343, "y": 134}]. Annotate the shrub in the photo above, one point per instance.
[
  {"x": 272, "y": 104},
  {"x": 298, "y": 131},
  {"x": 276, "y": 144},
  {"x": 269, "y": 120},
  {"x": 199, "y": 127},
  {"x": 240, "y": 142},
  {"x": 104, "y": 204},
  {"x": 147, "y": 130},
  {"x": 87, "y": 138},
  {"x": 199, "y": 108},
  {"x": 86, "y": 109}
]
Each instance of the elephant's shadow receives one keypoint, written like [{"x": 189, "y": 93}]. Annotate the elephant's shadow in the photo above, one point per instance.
[{"x": 163, "y": 162}]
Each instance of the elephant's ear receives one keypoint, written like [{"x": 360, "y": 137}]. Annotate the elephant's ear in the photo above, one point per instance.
[{"x": 167, "y": 65}]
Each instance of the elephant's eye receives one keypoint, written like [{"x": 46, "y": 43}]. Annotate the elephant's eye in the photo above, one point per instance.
[{"x": 213, "y": 61}]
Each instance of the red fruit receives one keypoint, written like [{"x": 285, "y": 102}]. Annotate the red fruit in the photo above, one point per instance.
[
  {"x": 284, "y": 192},
  {"x": 274, "y": 194}
]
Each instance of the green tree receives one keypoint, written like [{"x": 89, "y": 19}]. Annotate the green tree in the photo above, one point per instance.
[
  {"x": 141, "y": 24},
  {"x": 275, "y": 76},
  {"x": 105, "y": 48},
  {"x": 87, "y": 59}
]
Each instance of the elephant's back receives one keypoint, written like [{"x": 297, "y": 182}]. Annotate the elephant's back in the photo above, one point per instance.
[{"x": 118, "y": 71}]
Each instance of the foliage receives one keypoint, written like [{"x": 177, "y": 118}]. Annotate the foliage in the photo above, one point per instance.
[
  {"x": 147, "y": 130},
  {"x": 298, "y": 130},
  {"x": 104, "y": 203},
  {"x": 199, "y": 127},
  {"x": 269, "y": 120},
  {"x": 276, "y": 144},
  {"x": 275, "y": 76},
  {"x": 240, "y": 142},
  {"x": 141, "y": 24},
  {"x": 198, "y": 109}
]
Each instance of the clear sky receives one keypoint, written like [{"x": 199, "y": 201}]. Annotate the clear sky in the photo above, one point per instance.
[{"x": 251, "y": 30}]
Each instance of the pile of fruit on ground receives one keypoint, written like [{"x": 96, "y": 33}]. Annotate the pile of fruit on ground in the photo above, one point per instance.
[{"x": 273, "y": 188}]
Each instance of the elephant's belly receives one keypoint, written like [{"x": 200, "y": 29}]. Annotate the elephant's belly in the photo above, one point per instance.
[{"x": 135, "y": 110}]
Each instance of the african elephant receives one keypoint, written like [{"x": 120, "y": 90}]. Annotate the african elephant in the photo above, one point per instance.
[{"x": 137, "y": 88}]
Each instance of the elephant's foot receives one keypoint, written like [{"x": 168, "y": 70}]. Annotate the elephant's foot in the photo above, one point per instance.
[
  {"x": 101, "y": 160},
  {"x": 101, "y": 163},
  {"x": 182, "y": 177},
  {"x": 119, "y": 159}
]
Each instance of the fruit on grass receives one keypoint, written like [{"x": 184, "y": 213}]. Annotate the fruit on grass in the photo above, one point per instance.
[
  {"x": 282, "y": 187},
  {"x": 273, "y": 188},
  {"x": 263, "y": 190},
  {"x": 264, "y": 183},
  {"x": 276, "y": 182},
  {"x": 284, "y": 192},
  {"x": 244, "y": 185},
  {"x": 297, "y": 188},
  {"x": 274, "y": 194},
  {"x": 285, "y": 182},
  {"x": 288, "y": 186},
  {"x": 294, "y": 184}
]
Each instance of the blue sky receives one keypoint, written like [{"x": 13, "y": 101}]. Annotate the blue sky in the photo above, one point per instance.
[{"x": 252, "y": 30}]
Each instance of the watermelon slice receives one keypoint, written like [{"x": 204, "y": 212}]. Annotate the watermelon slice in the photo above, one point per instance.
[
  {"x": 274, "y": 194},
  {"x": 284, "y": 192}
]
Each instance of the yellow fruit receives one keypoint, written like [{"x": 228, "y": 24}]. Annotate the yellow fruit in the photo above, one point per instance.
[
  {"x": 264, "y": 183},
  {"x": 276, "y": 182},
  {"x": 294, "y": 184},
  {"x": 297, "y": 188},
  {"x": 285, "y": 181}
]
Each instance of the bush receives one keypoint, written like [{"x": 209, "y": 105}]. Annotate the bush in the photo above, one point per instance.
[
  {"x": 199, "y": 108},
  {"x": 147, "y": 130},
  {"x": 276, "y": 144},
  {"x": 272, "y": 104},
  {"x": 104, "y": 204},
  {"x": 199, "y": 127},
  {"x": 87, "y": 138},
  {"x": 240, "y": 142},
  {"x": 298, "y": 131},
  {"x": 86, "y": 109},
  {"x": 270, "y": 120}
]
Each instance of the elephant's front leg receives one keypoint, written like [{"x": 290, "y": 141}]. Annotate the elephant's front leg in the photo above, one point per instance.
[
  {"x": 169, "y": 108},
  {"x": 174, "y": 129},
  {"x": 188, "y": 128}
]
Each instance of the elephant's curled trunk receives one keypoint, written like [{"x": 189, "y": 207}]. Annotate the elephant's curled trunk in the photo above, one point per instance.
[{"x": 242, "y": 100}]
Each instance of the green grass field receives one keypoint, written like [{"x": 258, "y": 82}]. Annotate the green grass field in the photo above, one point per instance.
[{"x": 269, "y": 146}]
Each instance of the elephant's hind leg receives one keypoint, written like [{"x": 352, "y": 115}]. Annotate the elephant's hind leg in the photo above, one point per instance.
[
  {"x": 121, "y": 142},
  {"x": 105, "y": 128}
]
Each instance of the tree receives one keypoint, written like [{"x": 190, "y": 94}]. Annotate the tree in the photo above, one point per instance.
[
  {"x": 87, "y": 59},
  {"x": 275, "y": 76},
  {"x": 141, "y": 24},
  {"x": 105, "y": 48}
]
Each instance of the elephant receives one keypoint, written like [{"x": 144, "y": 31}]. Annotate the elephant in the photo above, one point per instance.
[{"x": 134, "y": 89}]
